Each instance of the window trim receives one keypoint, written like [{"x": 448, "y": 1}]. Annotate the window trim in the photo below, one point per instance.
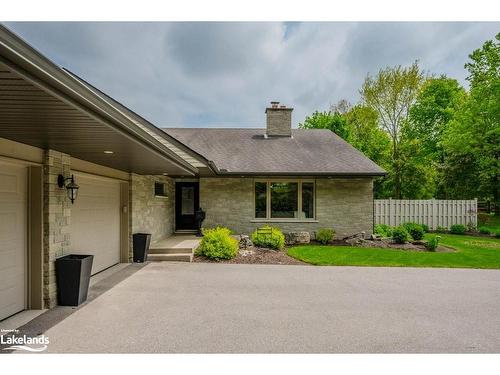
[
  {"x": 164, "y": 195},
  {"x": 268, "y": 217}
]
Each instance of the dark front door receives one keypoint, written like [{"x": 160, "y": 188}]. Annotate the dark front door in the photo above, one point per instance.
[{"x": 187, "y": 201}]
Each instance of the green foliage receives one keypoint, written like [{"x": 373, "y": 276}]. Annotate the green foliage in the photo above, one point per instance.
[
  {"x": 415, "y": 230},
  {"x": 275, "y": 239},
  {"x": 497, "y": 235},
  {"x": 325, "y": 235},
  {"x": 457, "y": 229},
  {"x": 217, "y": 243},
  {"x": 471, "y": 227},
  {"x": 432, "y": 243},
  {"x": 434, "y": 138},
  {"x": 440, "y": 229},
  {"x": 484, "y": 230},
  {"x": 472, "y": 167},
  {"x": 327, "y": 120},
  {"x": 400, "y": 235},
  {"x": 425, "y": 227},
  {"x": 391, "y": 93},
  {"x": 383, "y": 230}
]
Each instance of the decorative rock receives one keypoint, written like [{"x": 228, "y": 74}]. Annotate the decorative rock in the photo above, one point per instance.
[
  {"x": 292, "y": 238},
  {"x": 355, "y": 239},
  {"x": 245, "y": 241},
  {"x": 246, "y": 253}
]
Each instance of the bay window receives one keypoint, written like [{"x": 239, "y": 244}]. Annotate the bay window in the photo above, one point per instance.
[{"x": 284, "y": 199}]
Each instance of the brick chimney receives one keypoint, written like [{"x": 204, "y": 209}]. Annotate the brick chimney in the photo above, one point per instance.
[{"x": 279, "y": 120}]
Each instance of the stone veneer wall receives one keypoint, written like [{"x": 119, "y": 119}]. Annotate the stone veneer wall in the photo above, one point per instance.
[
  {"x": 344, "y": 204},
  {"x": 151, "y": 214},
  {"x": 56, "y": 216}
]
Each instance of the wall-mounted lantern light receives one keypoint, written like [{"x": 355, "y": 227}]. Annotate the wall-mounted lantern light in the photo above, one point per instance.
[{"x": 71, "y": 186}]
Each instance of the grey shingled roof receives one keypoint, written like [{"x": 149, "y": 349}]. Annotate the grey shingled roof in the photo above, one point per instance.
[{"x": 246, "y": 151}]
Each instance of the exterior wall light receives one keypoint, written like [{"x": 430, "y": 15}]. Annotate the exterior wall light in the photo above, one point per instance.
[{"x": 71, "y": 186}]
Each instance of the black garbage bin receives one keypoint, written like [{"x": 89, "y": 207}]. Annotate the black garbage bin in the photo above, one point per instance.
[
  {"x": 73, "y": 277},
  {"x": 141, "y": 243}
]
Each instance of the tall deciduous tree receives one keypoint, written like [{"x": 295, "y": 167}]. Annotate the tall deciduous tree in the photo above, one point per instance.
[
  {"x": 436, "y": 106},
  {"x": 474, "y": 137},
  {"x": 391, "y": 93}
]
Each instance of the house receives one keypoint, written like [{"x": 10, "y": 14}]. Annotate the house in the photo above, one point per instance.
[{"x": 56, "y": 130}]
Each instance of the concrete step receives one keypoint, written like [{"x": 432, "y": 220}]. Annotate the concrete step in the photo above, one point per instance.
[
  {"x": 170, "y": 257},
  {"x": 171, "y": 250}
]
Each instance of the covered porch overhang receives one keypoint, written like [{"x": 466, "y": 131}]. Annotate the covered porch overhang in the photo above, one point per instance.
[{"x": 44, "y": 106}]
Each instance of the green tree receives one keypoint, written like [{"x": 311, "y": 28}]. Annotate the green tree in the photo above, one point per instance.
[
  {"x": 327, "y": 120},
  {"x": 436, "y": 106},
  {"x": 391, "y": 93},
  {"x": 371, "y": 140},
  {"x": 473, "y": 138}
]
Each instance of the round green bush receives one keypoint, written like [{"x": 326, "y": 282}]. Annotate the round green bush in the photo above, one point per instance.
[
  {"x": 457, "y": 229},
  {"x": 400, "y": 235},
  {"x": 433, "y": 243},
  {"x": 484, "y": 230},
  {"x": 425, "y": 227},
  {"x": 325, "y": 235},
  {"x": 497, "y": 235},
  {"x": 217, "y": 243},
  {"x": 415, "y": 230},
  {"x": 383, "y": 230},
  {"x": 272, "y": 238}
]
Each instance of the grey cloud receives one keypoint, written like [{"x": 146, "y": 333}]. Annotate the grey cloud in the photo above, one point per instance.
[{"x": 224, "y": 74}]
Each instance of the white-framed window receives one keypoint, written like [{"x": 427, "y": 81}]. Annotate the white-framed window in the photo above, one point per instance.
[{"x": 284, "y": 199}]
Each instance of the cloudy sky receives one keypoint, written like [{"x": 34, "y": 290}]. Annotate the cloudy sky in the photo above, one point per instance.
[{"x": 224, "y": 74}]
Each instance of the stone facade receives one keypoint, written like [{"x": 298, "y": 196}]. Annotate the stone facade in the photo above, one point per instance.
[
  {"x": 279, "y": 122},
  {"x": 344, "y": 204},
  {"x": 56, "y": 217},
  {"x": 151, "y": 214}
]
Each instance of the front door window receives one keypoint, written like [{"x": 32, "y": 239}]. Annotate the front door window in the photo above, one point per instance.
[{"x": 187, "y": 202}]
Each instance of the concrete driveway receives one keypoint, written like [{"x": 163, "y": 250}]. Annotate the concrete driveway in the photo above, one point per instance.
[{"x": 225, "y": 308}]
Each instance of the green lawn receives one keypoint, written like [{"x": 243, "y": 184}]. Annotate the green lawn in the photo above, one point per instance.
[
  {"x": 491, "y": 222},
  {"x": 471, "y": 252}
]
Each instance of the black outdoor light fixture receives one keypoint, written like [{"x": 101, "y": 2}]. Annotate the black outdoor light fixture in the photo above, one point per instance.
[{"x": 71, "y": 186}]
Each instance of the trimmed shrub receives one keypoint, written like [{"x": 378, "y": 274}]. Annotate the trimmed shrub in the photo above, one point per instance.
[
  {"x": 425, "y": 227},
  {"x": 415, "y": 230},
  {"x": 325, "y": 235},
  {"x": 400, "y": 235},
  {"x": 497, "y": 235},
  {"x": 383, "y": 230},
  {"x": 484, "y": 230},
  {"x": 457, "y": 229},
  {"x": 433, "y": 243},
  {"x": 440, "y": 229},
  {"x": 471, "y": 227},
  {"x": 217, "y": 243},
  {"x": 273, "y": 240}
]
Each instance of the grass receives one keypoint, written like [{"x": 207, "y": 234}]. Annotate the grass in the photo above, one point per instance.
[
  {"x": 492, "y": 222},
  {"x": 471, "y": 252}
]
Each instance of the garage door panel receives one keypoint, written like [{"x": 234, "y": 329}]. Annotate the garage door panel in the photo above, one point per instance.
[
  {"x": 13, "y": 238},
  {"x": 95, "y": 221}
]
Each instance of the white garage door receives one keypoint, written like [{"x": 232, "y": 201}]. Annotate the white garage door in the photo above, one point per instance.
[
  {"x": 95, "y": 221},
  {"x": 13, "y": 239}
]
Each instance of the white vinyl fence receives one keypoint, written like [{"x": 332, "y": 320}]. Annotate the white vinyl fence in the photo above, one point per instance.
[{"x": 432, "y": 212}]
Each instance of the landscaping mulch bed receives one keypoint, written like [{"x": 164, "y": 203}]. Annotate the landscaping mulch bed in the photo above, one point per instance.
[{"x": 255, "y": 255}]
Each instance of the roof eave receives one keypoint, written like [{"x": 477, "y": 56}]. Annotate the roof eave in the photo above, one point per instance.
[{"x": 33, "y": 66}]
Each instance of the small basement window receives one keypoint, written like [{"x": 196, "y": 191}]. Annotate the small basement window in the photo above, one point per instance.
[{"x": 160, "y": 189}]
